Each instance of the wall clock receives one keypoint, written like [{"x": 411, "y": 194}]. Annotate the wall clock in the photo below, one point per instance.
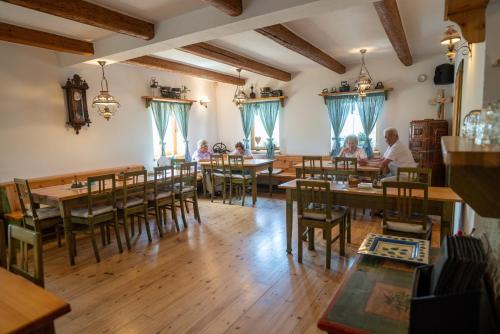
[{"x": 76, "y": 102}]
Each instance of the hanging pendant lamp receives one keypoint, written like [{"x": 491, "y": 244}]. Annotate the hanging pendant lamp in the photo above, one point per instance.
[
  {"x": 239, "y": 94},
  {"x": 364, "y": 79},
  {"x": 105, "y": 103}
]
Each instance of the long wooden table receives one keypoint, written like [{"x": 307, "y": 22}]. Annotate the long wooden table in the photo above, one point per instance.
[
  {"x": 368, "y": 170},
  {"x": 26, "y": 307},
  {"x": 253, "y": 166},
  {"x": 441, "y": 203}
]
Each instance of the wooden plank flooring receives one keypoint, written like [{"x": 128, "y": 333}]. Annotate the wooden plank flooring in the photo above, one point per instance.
[{"x": 230, "y": 274}]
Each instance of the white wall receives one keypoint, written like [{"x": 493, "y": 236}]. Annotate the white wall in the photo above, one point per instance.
[
  {"x": 492, "y": 74},
  {"x": 304, "y": 124},
  {"x": 34, "y": 140}
]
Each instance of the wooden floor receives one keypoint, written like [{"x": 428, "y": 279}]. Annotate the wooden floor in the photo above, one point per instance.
[{"x": 230, "y": 274}]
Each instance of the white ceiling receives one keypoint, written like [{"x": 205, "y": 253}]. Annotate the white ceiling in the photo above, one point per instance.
[{"x": 340, "y": 33}]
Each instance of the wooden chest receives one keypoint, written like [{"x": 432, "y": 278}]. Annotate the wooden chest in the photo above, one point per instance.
[{"x": 425, "y": 145}]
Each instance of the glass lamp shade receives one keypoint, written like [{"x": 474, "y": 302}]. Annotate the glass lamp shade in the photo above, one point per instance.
[
  {"x": 239, "y": 97},
  {"x": 450, "y": 36},
  {"x": 364, "y": 82},
  {"x": 106, "y": 104}
]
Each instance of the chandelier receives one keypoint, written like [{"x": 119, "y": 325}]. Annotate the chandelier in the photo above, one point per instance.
[
  {"x": 364, "y": 78},
  {"x": 105, "y": 103},
  {"x": 239, "y": 94},
  {"x": 450, "y": 39}
]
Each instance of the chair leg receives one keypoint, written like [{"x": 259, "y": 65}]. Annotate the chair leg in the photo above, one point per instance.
[
  {"x": 117, "y": 232},
  {"x": 158, "y": 220},
  {"x": 342, "y": 236},
  {"x": 74, "y": 243},
  {"x": 103, "y": 235},
  {"x": 126, "y": 230},
  {"x": 299, "y": 242},
  {"x": 94, "y": 242},
  {"x": 132, "y": 228},
  {"x": 196, "y": 208},
  {"x": 146, "y": 222},
  {"x": 212, "y": 194},
  {"x": 310, "y": 238},
  {"x": 243, "y": 191},
  {"x": 186, "y": 206},
  {"x": 108, "y": 233},
  {"x": 328, "y": 233},
  {"x": 230, "y": 191},
  {"x": 183, "y": 214},
  {"x": 349, "y": 223},
  {"x": 58, "y": 236}
]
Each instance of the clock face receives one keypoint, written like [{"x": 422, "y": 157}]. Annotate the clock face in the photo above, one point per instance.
[{"x": 77, "y": 96}]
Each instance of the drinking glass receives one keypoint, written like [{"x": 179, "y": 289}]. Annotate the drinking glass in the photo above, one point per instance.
[{"x": 485, "y": 127}]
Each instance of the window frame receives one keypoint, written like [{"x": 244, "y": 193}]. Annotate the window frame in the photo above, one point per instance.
[
  {"x": 253, "y": 147},
  {"x": 173, "y": 139},
  {"x": 375, "y": 132}
]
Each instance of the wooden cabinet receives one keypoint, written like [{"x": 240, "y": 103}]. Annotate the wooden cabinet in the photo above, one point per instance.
[{"x": 425, "y": 145}]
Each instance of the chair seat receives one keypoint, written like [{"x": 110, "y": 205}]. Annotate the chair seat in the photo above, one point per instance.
[
  {"x": 239, "y": 176},
  {"x": 46, "y": 213},
  {"x": 96, "y": 210},
  {"x": 275, "y": 171},
  {"x": 131, "y": 202},
  {"x": 408, "y": 227},
  {"x": 312, "y": 213},
  {"x": 221, "y": 174},
  {"x": 165, "y": 194},
  {"x": 184, "y": 189}
]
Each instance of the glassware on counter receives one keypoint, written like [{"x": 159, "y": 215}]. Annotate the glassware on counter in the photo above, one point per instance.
[{"x": 485, "y": 127}]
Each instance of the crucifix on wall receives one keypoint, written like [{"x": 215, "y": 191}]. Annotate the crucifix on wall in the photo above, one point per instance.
[{"x": 440, "y": 101}]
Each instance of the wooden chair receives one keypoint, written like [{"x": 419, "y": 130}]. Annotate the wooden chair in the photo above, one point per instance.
[
  {"x": 176, "y": 163},
  {"x": 186, "y": 190},
  {"x": 163, "y": 197},
  {"x": 38, "y": 219},
  {"x": 414, "y": 174},
  {"x": 312, "y": 165},
  {"x": 315, "y": 209},
  {"x": 24, "y": 236},
  {"x": 134, "y": 203},
  {"x": 239, "y": 179},
  {"x": 218, "y": 175},
  {"x": 409, "y": 219},
  {"x": 100, "y": 211}
]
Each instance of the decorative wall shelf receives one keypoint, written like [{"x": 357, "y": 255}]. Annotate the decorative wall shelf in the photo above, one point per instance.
[
  {"x": 266, "y": 99},
  {"x": 164, "y": 99},
  {"x": 474, "y": 171},
  {"x": 371, "y": 91}
]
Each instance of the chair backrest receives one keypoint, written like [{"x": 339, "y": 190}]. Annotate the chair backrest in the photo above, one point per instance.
[
  {"x": 236, "y": 164},
  {"x": 415, "y": 174},
  {"x": 176, "y": 163},
  {"x": 134, "y": 185},
  {"x": 17, "y": 235},
  {"x": 25, "y": 198},
  {"x": 101, "y": 190},
  {"x": 312, "y": 165},
  {"x": 409, "y": 208},
  {"x": 314, "y": 198},
  {"x": 217, "y": 163},
  {"x": 163, "y": 179},
  {"x": 188, "y": 175},
  {"x": 346, "y": 163}
]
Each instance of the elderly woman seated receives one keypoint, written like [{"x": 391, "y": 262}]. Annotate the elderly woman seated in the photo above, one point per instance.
[
  {"x": 202, "y": 153},
  {"x": 351, "y": 150},
  {"x": 239, "y": 149}
]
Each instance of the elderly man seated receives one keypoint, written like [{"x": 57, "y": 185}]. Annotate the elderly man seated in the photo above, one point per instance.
[{"x": 397, "y": 155}]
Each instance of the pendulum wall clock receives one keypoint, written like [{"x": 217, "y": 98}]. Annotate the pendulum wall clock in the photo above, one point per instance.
[{"x": 76, "y": 102}]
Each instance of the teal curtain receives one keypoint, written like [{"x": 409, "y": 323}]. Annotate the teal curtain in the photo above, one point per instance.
[
  {"x": 161, "y": 117},
  {"x": 338, "y": 110},
  {"x": 268, "y": 112},
  {"x": 181, "y": 112},
  {"x": 370, "y": 108},
  {"x": 247, "y": 120}
]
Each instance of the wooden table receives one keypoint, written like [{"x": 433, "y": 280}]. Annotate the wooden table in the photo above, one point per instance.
[
  {"x": 26, "y": 307},
  {"x": 368, "y": 170},
  {"x": 374, "y": 297},
  {"x": 441, "y": 203},
  {"x": 253, "y": 166}
]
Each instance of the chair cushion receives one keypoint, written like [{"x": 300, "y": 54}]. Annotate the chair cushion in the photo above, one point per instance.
[
  {"x": 131, "y": 202},
  {"x": 275, "y": 171},
  {"x": 184, "y": 189},
  {"x": 221, "y": 174},
  {"x": 407, "y": 227},
  {"x": 337, "y": 212},
  {"x": 239, "y": 176},
  {"x": 96, "y": 210},
  {"x": 151, "y": 197},
  {"x": 46, "y": 213}
]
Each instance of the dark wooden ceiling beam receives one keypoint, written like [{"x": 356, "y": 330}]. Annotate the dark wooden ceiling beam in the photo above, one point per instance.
[
  {"x": 230, "y": 7},
  {"x": 283, "y": 36},
  {"x": 91, "y": 14},
  {"x": 20, "y": 35},
  {"x": 171, "y": 66},
  {"x": 388, "y": 14},
  {"x": 470, "y": 16},
  {"x": 215, "y": 53}
]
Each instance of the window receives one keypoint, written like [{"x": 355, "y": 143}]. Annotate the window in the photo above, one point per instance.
[
  {"x": 353, "y": 126},
  {"x": 258, "y": 131},
  {"x": 173, "y": 139}
]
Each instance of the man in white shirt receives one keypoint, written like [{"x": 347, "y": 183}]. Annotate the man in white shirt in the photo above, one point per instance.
[{"x": 397, "y": 155}]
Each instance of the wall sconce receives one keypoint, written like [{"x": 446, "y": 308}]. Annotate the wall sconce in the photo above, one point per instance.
[
  {"x": 451, "y": 38},
  {"x": 204, "y": 101}
]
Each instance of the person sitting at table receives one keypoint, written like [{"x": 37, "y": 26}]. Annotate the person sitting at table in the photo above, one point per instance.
[
  {"x": 351, "y": 150},
  {"x": 397, "y": 155},
  {"x": 239, "y": 149},
  {"x": 202, "y": 153}
]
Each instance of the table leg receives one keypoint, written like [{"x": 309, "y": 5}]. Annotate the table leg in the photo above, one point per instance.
[
  {"x": 289, "y": 219},
  {"x": 254, "y": 185},
  {"x": 66, "y": 216},
  {"x": 270, "y": 170},
  {"x": 203, "y": 180},
  {"x": 447, "y": 220}
]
